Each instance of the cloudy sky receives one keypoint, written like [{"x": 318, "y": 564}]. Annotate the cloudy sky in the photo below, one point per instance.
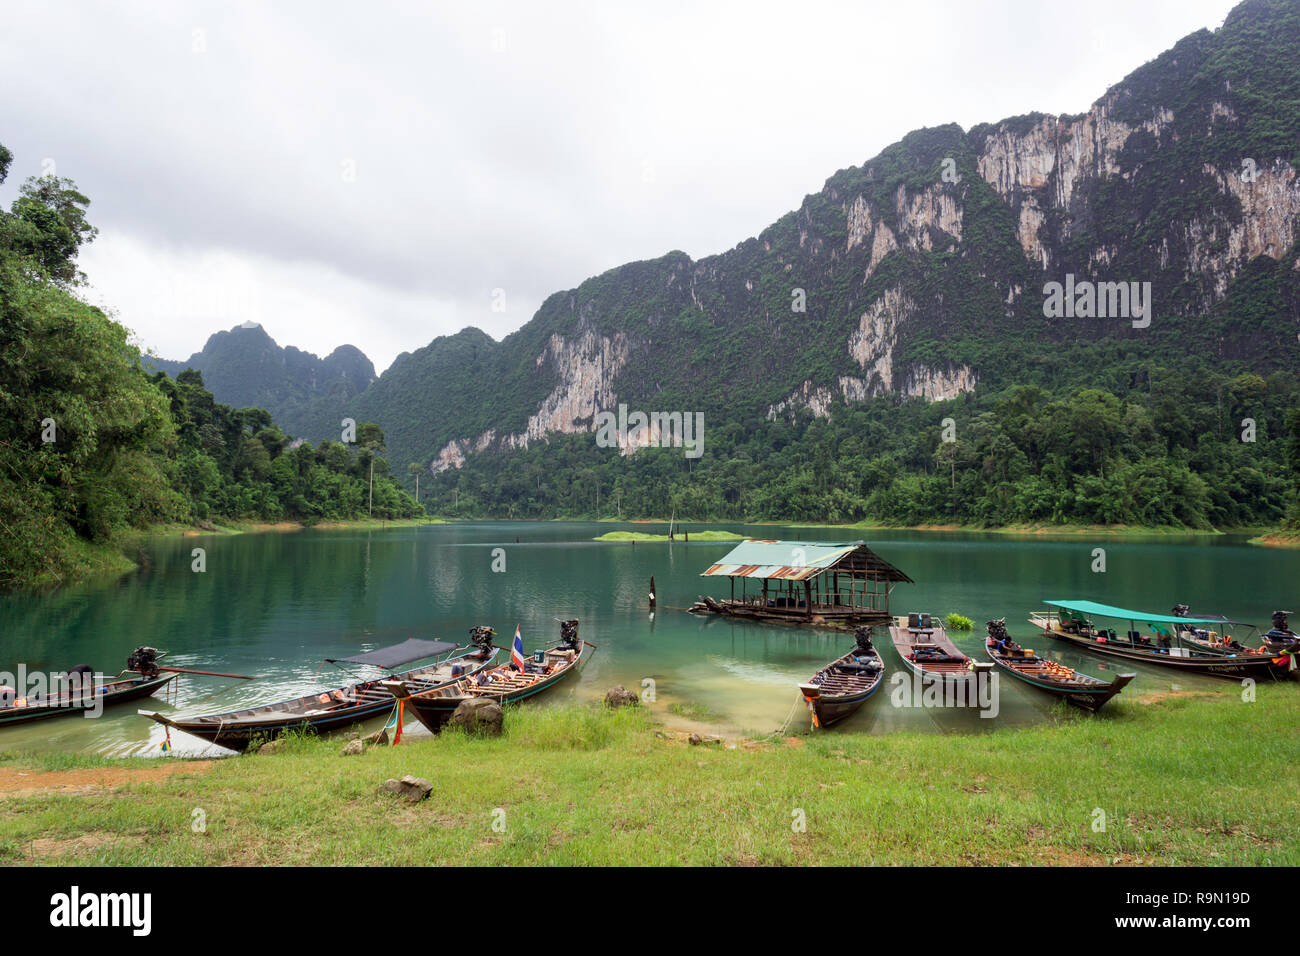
[{"x": 371, "y": 173}]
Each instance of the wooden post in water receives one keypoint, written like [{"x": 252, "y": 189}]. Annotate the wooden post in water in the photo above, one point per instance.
[{"x": 652, "y": 592}]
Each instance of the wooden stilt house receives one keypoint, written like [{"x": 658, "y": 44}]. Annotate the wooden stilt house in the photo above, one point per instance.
[{"x": 801, "y": 582}]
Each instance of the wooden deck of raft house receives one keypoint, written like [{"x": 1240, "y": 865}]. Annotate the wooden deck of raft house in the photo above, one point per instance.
[{"x": 800, "y": 582}]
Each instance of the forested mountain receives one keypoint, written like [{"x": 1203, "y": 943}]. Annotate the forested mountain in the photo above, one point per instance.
[
  {"x": 825, "y": 352},
  {"x": 92, "y": 445},
  {"x": 918, "y": 284},
  {"x": 247, "y": 369}
]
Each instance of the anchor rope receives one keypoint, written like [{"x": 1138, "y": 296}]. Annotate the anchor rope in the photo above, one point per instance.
[{"x": 790, "y": 716}]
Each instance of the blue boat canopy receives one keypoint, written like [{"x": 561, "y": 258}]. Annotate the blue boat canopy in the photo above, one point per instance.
[
  {"x": 413, "y": 649},
  {"x": 1124, "y": 614}
]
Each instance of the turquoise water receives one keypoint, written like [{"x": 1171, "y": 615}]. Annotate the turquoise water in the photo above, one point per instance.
[{"x": 275, "y": 604}]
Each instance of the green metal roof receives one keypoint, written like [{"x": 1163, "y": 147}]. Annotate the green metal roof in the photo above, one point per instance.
[
  {"x": 1124, "y": 614},
  {"x": 798, "y": 553},
  {"x": 800, "y": 560}
]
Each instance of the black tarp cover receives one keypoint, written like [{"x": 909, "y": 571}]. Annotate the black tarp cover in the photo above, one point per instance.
[{"x": 413, "y": 649}]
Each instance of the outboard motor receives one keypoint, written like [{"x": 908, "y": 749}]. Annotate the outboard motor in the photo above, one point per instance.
[
  {"x": 144, "y": 661},
  {"x": 482, "y": 637},
  {"x": 1180, "y": 610},
  {"x": 569, "y": 633},
  {"x": 862, "y": 635},
  {"x": 998, "y": 629},
  {"x": 1280, "y": 622}
]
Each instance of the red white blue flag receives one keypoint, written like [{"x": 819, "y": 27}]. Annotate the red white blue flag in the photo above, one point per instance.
[{"x": 517, "y": 651}]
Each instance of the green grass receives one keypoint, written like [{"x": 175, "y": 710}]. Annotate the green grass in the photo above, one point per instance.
[
  {"x": 681, "y": 536},
  {"x": 1187, "y": 780}
]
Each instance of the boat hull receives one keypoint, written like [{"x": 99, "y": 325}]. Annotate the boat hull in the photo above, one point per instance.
[
  {"x": 237, "y": 730},
  {"x": 1090, "y": 699},
  {"x": 242, "y": 737},
  {"x": 959, "y": 673},
  {"x": 434, "y": 708},
  {"x": 1230, "y": 668},
  {"x": 829, "y": 709},
  {"x": 138, "y": 690}
]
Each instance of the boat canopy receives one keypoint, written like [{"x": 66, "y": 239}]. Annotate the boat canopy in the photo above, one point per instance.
[
  {"x": 413, "y": 649},
  {"x": 1124, "y": 614}
]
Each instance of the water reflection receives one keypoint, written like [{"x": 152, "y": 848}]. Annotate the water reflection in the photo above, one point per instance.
[{"x": 276, "y": 604}]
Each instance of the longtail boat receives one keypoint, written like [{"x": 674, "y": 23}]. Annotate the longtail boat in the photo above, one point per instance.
[
  {"x": 1071, "y": 622},
  {"x": 1022, "y": 663},
  {"x": 927, "y": 651},
  {"x": 1218, "y": 638},
  {"x": 518, "y": 680},
  {"x": 842, "y": 686},
  {"x": 344, "y": 706},
  {"x": 83, "y": 692}
]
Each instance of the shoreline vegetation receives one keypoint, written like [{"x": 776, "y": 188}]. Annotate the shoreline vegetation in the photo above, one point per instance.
[
  {"x": 1278, "y": 539},
  {"x": 598, "y": 786},
  {"x": 228, "y": 527},
  {"x": 91, "y": 561}
]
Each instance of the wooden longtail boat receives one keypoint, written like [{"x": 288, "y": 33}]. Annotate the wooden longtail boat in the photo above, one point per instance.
[
  {"x": 1218, "y": 638},
  {"x": 1081, "y": 690},
  {"x": 504, "y": 684},
  {"x": 1072, "y": 625},
  {"x": 344, "y": 706},
  {"x": 841, "y": 687},
  {"x": 77, "y": 698},
  {"x": 927, "y": 651}
]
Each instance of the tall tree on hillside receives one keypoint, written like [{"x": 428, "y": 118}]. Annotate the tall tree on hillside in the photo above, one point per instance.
[
  {"x": 1293, "y": 458},
  {"x": 371, "y": 438},
  {"x": 414, "y": 468},
  {"x": 47, "y": 226}
]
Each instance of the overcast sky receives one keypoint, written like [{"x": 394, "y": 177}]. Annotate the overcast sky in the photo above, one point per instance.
[{"x": 371, "y": 174}]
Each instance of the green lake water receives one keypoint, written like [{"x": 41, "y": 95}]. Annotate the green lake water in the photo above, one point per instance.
[{"x": 275, "y": 604}]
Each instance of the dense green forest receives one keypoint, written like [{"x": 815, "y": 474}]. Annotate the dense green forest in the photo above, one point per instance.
[
  {"x": 92, "y": 446},
  {"x": 1175, "y": 448}
]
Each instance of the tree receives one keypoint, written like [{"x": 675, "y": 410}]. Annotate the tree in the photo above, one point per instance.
[
  {"x": 371, "y": 438},
  {"x": 48, "y": 226},
  {"x": 414, "y": 468}
]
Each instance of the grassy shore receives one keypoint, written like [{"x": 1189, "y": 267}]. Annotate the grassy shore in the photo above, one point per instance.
[
  {"x": 1194, "y": 779},
  {"x": 1278, "y": 539}
]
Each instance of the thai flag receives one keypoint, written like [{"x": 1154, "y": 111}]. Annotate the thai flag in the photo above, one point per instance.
[{"x": 517, "y": 651}]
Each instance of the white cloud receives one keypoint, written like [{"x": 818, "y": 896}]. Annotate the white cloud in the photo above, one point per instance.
[{"x": 508, "y": 145}]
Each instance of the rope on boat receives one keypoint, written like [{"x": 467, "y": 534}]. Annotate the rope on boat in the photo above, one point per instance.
[
  {"x": 395, "y": 721},
  {"x": 790, "y": 716}
]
